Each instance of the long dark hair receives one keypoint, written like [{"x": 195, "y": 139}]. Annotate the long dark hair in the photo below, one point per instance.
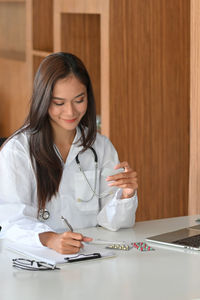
[{"x": 47, "y": 165}]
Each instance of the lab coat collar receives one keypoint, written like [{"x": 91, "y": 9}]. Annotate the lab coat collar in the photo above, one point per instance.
[{"x": 75, "y": 147}]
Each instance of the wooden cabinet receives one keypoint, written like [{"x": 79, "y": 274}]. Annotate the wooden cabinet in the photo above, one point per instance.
[{"x": 138, "y": 54}]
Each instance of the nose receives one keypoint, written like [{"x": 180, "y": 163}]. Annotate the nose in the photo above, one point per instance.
[{"x": 69, "y": 109}]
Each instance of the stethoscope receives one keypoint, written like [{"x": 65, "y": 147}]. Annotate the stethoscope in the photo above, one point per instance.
[
  {"x": 44, "y": 213},
  {"x": 103, "y": 195}
]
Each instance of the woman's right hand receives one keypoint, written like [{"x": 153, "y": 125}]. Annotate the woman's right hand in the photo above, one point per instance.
[{"x": 64, "y": 243}]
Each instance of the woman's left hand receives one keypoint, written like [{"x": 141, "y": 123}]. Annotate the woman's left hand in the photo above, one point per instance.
[{"x": 126, "y": 180}]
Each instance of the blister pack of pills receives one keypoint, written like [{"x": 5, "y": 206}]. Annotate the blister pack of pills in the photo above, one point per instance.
[{"x": 124, "y": 247}]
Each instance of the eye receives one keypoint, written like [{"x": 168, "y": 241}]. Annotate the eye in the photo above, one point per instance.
[
  {"x": 58, "y": 103},
  {"x": 80, "y": 101}
]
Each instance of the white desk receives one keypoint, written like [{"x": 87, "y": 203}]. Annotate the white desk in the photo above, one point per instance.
[{"x": 160, "y": 274}]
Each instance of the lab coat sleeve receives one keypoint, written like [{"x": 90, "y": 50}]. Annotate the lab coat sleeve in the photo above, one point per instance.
[
  {"x": 115, "y": 212},
  {"x": 18, "y": 212}
]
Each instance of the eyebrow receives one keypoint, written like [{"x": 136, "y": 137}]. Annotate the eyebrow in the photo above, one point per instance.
[{"x": 59, "y": 98}]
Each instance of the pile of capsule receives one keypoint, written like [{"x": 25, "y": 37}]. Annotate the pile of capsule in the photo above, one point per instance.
[{"x": 142, "y": 246}]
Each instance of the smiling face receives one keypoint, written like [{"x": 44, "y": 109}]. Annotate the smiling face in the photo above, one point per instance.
[{"x": 68, "y": 104}]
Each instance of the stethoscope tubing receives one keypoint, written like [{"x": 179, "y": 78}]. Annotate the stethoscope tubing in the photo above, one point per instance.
[
  {"x": 44, "y": 214},
  {"x": 103, "y": 195}
]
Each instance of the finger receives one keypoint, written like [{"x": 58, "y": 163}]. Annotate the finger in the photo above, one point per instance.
[
  {"x": 123, "y": 164},
  {"x": 68, "y": 250},
  {"x": 129, "y": 186},
  {"x": 71, "y": 239},
  {"x": 123, "y": 175},
  {"x": 87, "y": 239},
  {"x": 68, "y": 244},
  {"x": 79, "y": 244},
  {"x": 73, "y": 235},
  {"x": 124, "y": 184}
]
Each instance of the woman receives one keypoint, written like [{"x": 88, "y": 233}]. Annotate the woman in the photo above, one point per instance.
[{"x": 47, "y": 168}]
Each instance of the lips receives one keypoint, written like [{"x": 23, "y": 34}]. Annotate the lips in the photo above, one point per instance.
[{"x": 70, "y": 121}]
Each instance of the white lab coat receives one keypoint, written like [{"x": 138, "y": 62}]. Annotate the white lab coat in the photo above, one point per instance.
[{"x": 18, "y": 193}]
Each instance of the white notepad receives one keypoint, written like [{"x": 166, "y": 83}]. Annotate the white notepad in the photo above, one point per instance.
[{"x": 52, "y": 257}]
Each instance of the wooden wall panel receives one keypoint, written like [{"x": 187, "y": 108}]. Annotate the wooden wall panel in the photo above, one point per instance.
[
  {"x": 36, "y": 62},
  {"x": 14, "y": 79},
  {"x": 14, "y": 95},
  {"x": 194, "y": 182},
  {"x": 98, "y": 59},
  {"x": 12, "y": 30},
  {"x": 149, "y": 104},
  {"x": 80, "y": 35},
  {"x": 42, "y": 24}
]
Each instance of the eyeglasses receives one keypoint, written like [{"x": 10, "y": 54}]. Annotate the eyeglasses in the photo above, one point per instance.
[{"x": 33, "y": 265}]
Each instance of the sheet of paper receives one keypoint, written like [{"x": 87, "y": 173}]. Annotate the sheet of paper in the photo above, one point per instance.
[{"x": 50, "y": 256}]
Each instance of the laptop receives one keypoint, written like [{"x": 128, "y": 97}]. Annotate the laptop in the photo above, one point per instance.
[{"x": 184, "y": 238}]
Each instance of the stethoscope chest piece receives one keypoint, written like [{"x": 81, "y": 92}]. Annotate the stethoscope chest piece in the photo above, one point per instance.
[{"x": 44, "y": 214}]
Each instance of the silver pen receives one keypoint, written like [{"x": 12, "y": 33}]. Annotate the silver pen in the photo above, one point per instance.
[{"x": 67, "y": 223}]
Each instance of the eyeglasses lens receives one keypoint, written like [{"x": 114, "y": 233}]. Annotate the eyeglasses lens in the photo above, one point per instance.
[{"x": 32, "y": 265}]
